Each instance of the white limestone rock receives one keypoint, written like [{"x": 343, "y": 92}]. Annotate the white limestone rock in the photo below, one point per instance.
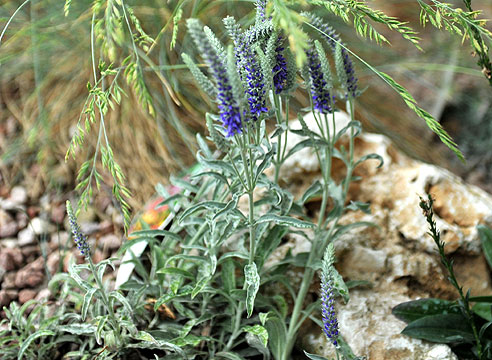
[{"x": 397, "y": 256}]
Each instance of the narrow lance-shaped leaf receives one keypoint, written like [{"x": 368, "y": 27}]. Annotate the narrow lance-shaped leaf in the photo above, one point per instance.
[{"x": 252, "y": 286}]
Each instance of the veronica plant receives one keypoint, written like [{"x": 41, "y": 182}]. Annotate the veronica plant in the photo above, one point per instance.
[
  {"x": 241, "y": 78},
  {"x": 106, "y": 315}
]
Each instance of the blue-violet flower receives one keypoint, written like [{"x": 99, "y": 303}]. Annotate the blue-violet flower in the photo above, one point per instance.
[
  {"x": 319, "y": 91},
  {"x": 255, "y": 88},
  {"x": 261, "y": 10},
  {"x": 330, "y": 321},
  {"x": 332, "y": 38},
  {"x": 230, "y": 114},
  {"x": 79, "y": 238},
  {"x": 280, "y": 67}
]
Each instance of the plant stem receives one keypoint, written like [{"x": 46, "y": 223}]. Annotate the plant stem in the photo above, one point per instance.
[
  {"x": 436, "y": 236},
  {"x": 278, "y": 116},
  {"x": 314, "y": 253},
  {"x": 105, "y": 300},
  {"x": 248, "y": 172},
  {"x": 350, "y": 166},
  {"x": 252, "y": 230}
]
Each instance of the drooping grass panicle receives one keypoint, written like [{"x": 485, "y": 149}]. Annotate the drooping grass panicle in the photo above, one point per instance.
[
  {"x": 327, "y": 32},
  {"x": 330, "y": 321},
  {"x": 79, "y": 238},
  {"x": 229, "y": 111},
  {"x": 320, "y": 93}
]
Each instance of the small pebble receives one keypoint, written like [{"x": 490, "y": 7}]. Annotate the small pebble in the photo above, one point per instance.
[
  {"x": 18, "y": 195},
  {"x": 26, "y": 295},
  {"x": 41, "y": 226},
  {"x": 33, "y": 211},
  {"x": 22, "y": 219},
  {"x": 8, "y": 226},
  {"x": 6, "y": 296},
  {"x": 110, "y": 242},
  {"x": 9, "y": 280},
  {"x": 89, "y": 228},
  {"x": 7, "y": 204},
  {"x": 26, "y": 236},
  {"x": 58, "y": 213},
  {"x": 9, "y": 243},
  {"x": 10, "y": 259},
  {"x": 28, "y": 278},
  {"x": 53, "y": 262},
  {"x": 44, "y": 295}
]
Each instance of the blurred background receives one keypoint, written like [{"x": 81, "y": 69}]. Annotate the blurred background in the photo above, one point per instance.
[{"x": 45, "y": 65}]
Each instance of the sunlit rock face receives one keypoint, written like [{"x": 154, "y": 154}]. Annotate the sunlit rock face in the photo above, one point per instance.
[{"x": 397, "y": 256}]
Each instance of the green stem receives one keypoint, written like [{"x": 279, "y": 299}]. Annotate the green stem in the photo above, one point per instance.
[
  {"x": 350, "y": 166},
  {"x": 112, "y": 316},
  {"x": 278, "y": 116},
  {"x": 248, "y": 172},
  {"x": 237, "y": 326},
  {"x": 436, "y": 236},
  {"x": 314, "y": 253},
  {"x": 252, "y": 240}
]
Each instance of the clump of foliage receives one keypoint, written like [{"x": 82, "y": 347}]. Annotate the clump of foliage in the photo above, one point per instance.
[{"x": 457, "y": 323}]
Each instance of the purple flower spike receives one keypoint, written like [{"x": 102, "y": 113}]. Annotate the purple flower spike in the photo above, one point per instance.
[
  {"x": 228, "y": 108},
  {"x": 280, "y": 67},
  {"x": 330, "y": 321},
  {"x": 261, "y": 10},
  {"x": 256, "y": 86},
  {"x": 319, "y": 91},
  {"x": 349, "y": 70},
  {"x": 79, "y": 238},
  {"x": 332, "y": 38}
]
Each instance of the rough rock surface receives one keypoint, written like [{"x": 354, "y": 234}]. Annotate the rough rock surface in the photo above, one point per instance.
[{"x": 397, "y": 256}]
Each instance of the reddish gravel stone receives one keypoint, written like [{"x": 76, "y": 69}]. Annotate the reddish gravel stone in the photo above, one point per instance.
[
  {"x": 8, "y": 226},
  {"x": 26, "y": 295},
  {"x": 9, "y": 280},
  {"x": 22, "y": 219},
  {"x": 33, "y": 211},
  {"x": 30, "y": 253},
  {"x": 11, "y": 259},
  {"x": 4, "y": 298},
  {"x": 43, "y": 295},
  {"x": 7, "y": 296},
  {"x": 58, "y": 214},
  {"x": 30, "y": 275},
  {"x": 98, "y": 256},
  {"x": 53, "y": 262},
  {"x": 28, "y": 278}
]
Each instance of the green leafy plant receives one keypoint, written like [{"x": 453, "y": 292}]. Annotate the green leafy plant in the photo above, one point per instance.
[
  {"x": 223, "y": 247},
  {"x": 458, "y": 323}
]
